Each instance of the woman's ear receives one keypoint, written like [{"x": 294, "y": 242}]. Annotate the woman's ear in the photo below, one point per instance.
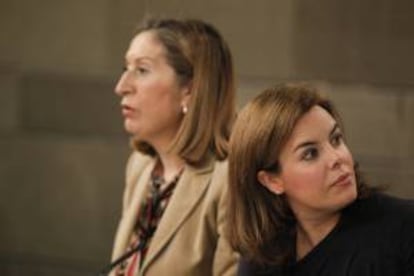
[
  {"x": 271, "y": 181},
  {"x": 186, "y": 96}
]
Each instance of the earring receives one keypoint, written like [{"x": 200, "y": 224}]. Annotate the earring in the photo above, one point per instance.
[
  {"x": 184, "y": 109},
  {"x": 278, "y": 192}
]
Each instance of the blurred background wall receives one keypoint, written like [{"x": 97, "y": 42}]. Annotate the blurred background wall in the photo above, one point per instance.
[{"x": 62, "y": 148}]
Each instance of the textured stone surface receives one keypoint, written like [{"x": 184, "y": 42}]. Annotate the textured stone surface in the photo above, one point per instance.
[
  {"x": 259, "y": 35},
  {"x": 9, "y": 101},
  {"x": 351, "y": 40},
  {"x": 61, "y": 103},
  {"x": 371, "y": 118},
  {"x": 60, "y": 200},
  {"x": 68, "y": 37}
]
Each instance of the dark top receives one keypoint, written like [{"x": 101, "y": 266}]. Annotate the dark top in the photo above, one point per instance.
[{"x": 375, "y": 236}]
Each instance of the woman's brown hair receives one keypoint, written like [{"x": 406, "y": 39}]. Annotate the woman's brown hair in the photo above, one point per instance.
[
  {"x": 263, "y": 225},
  {"x": 200, "y": 56}
]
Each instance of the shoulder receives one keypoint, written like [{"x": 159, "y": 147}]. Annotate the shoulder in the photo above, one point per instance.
[
  {"x": 137, "y": 160},
  {"x": 386, "y": 213},
  {"x": 248, "y": 268},
  {"x": 136, "y": 164},
  {"x": 219, "y": 175},
  {"x": 214, "y": 170},
  {"x": 384, "y": 204},
  {"x": 401, "y": 214},
  {"x": 220, "y": 169},
  {"x": 394, "y": 206},
  {"x": 214, "y": 175}
]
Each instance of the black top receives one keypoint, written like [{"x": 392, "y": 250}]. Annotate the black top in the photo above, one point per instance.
[{"x": 375, "y": 236}]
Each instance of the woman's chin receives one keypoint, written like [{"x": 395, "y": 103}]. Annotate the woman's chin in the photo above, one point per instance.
[{"x": 130, "y": 129}]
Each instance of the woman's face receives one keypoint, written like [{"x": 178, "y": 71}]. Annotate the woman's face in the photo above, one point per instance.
[
  {"x": 317, "y": 170},
  {"x": 152, "y": 97}
]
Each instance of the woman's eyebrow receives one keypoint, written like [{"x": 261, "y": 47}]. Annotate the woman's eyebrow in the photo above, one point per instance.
[
  {"x": 311, "y": 143},
  {"x": 334, "y": 128},
  {"x": 304, "y": 144}
]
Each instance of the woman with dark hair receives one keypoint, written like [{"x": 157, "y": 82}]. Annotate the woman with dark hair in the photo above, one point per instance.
[
  {"x": 177, "y": 99},
  {"x": 298, "y": 205}
]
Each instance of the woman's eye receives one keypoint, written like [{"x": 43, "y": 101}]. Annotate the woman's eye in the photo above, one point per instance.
[
  {"x": 336, "y": 139},
  {"x": 310, "y": 154},
  {"x": 137, "y": 71},
  {"x": 142, "y": 70}
]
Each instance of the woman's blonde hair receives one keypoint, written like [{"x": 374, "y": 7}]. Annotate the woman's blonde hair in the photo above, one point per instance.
[{"x": 201, "y": 57}]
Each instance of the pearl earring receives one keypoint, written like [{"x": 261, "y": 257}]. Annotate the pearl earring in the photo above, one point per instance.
[{"x": 185, "y": 109}]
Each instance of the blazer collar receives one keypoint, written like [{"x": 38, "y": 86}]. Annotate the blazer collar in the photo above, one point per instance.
[{"x": 188, "y": 193}]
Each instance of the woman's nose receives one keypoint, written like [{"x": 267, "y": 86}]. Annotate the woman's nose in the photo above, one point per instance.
[
  {"x": 123, "y": 85},
  {"x": 335, "y": 157}
]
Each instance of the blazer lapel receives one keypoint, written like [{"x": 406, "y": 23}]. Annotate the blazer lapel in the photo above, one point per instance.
[
  {"x": 188, "y": 192},
  {"x": 129, "y": 217}
]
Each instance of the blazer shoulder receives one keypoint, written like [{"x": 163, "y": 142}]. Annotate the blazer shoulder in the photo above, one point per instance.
[
  {"x": 219, "y": 180},
  {"x": 221, "y": 167},
  {"x": 220, "y": 172},
  {"x": 136, "y": 163}
]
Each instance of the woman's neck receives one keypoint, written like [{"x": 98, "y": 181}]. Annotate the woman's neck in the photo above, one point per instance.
[
  {"x": 311, "y": 231},
  {"x": 169, "y": 165}
]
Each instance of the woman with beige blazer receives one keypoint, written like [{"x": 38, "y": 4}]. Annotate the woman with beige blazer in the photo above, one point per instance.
[{"x": 177, "y": 99}]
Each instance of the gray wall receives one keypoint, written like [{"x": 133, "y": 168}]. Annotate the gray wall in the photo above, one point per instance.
[{"x": 62, "y": 148}]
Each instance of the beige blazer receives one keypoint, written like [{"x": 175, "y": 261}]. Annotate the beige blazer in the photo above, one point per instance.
[{"x": 190, "y": 238}]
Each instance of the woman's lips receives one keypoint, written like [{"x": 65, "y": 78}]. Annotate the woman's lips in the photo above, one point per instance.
[
  {"x": 127, "y": 111},
  {"x": 343, "y": 180}
]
